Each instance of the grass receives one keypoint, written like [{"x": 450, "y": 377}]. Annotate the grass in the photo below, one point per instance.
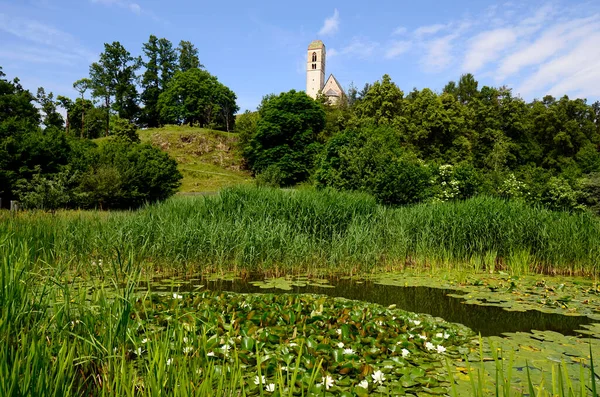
[
  {"x": 207, "y": 159},
  {"x": 248, "y": 229}
]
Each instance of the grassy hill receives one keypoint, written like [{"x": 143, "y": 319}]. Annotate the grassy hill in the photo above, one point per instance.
[{"x": 207, "y": 159}]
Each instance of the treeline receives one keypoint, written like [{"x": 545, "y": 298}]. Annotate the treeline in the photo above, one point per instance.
[
  {"x": 167, "y": 86},
  {"x": 425, "y": 146},
  {"x": 50, "y": 162},
  {"x": 43, "y": 167}
]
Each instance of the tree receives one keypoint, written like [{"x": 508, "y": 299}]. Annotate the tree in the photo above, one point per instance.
[
  {"x": 82, "y": 85},
  {"x": 381, "y": 103},
  {"x": 67, "y": 104},
  {"x": 197, "y": 97},
  {"x": 51, "y": 116},
  {"x": 114, "y": 76},
  {"x": 188, "y": 56},
  {"x": 167, "y": 62},
  {"x": 286, "y": 136},
  {"x": 467, "y": 88},
  {"x": 151, "y": 83}
]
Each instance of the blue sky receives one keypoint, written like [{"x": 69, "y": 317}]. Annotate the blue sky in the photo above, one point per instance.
[{"x": 259, "y": 47}]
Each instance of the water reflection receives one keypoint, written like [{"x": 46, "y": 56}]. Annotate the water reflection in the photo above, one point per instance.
[{"x": 487, "y": 320}]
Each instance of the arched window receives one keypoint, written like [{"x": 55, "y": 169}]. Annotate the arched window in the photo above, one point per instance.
[
  {"x": 314, "y": 57},
  {"x": 314, "y": 66}
]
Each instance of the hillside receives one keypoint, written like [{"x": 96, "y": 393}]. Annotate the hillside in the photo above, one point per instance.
[{"x": 207, "y": 159}]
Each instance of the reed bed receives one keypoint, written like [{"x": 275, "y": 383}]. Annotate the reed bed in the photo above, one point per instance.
[{"x": 268, "y": 230}]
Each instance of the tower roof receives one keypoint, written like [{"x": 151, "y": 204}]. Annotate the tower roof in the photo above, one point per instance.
[{"x": 316, "y": 44}]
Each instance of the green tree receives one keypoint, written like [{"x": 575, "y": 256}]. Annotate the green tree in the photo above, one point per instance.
[
  {"x": 151, "y": 83},
  {"x": 82, "y": 85},
  {"x": 188, "y": 56},
  {"x": 197, "y": 97},
  {"x": 286, "y": 136},
  {"x": 48, "y": 106},
  {"x": 124, "y": 130},
  {"x": 113, "y": 76},
  {"x": 381, "y": 104}
]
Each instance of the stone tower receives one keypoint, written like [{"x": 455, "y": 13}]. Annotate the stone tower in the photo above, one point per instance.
[{"x": 315, "y": 68}]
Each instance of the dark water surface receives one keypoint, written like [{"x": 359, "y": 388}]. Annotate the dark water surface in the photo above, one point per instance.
[{"x": 487, "y": 320}]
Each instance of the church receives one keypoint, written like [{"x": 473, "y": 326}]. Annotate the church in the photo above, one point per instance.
[{"x": 315, "y": 75}]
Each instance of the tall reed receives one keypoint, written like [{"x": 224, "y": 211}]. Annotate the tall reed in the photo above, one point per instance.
[{"x": 258, "y": 229}]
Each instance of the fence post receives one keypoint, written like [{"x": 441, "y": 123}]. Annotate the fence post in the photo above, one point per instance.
[{"x": 14, "y": 205}]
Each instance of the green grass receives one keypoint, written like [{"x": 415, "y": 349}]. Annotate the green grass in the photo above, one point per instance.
[
  {"x": 268, "y": 230},
  {"x": 208, "y": 160}
]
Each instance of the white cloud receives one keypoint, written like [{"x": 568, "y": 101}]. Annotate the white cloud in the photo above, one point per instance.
[
  {"x": 428, "y": 30},
  {"x": 360, "y": 47},
  {"x": 438, "y": 53},
  {"x": 43, "y": 37},
  {"x": 332, "y": 52},
  {"x": 551, "y": 41},
  {"x": 397, "y": 48},
  {"x": 487, "y": 47},
  {"x": 400, "y": 30},
  {"x": 331, "y": 24},
  {"x": 131, "y": 6},
  {"x": 575, "y": 71}
]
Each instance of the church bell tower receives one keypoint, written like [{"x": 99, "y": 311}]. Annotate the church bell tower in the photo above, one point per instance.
[{"x": 315, "y": 68}]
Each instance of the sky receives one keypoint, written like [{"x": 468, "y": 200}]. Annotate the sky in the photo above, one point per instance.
[{"x": 259, "y": 47}]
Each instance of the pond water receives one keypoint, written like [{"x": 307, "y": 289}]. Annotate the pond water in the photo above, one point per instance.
[{"x": 486, "y": 320}]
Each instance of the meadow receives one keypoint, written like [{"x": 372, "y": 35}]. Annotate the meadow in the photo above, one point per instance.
[{"x": 75, "y": 322}]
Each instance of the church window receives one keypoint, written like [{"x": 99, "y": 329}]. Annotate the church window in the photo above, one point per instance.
[
  {"x": 314, "y": 57},
  {"x": 314, "y": 66}
]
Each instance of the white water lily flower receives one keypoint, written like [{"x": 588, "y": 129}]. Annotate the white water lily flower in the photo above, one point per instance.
[
  {"x": 440, "y": 349},
  {"x": 340, "y": 345},
  {"x": 416, "y": 322},
  {"x": 210, "y": 354},
  {"x": 348, "y": 351},
  {"x": 439, "y": 335},
  {"x": 405, "y": 353},
  {"x": 446, "y": 336},
  {"x": 364, "y": 384},
  {"x": 378, "y": 377},
  {"x": 188, "y": 349},
  {"x": 258, "y": 380},
  {"x": 145, "y": 340},
  {"x": 380, "y": 323},
  {"x": 338, "y": 331},
  {"x": 292, "y": 344},
  {"x": 138, "y": 351},
  {"x": 177, "y": 296},
  {"x": 410, "y": 336},
  {"x": 270, "y": 387},
  {"x": 169, "y": 361},
  {"x": 423, "y": 337},
  {"x": 185, "y": 339},
  {"x": 327, "y": 382},
  {"x": 429, "y": 346},
  {"x": 284, "y": 368}
]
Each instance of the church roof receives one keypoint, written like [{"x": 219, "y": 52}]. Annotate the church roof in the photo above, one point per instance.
[
  {"x": 316, "y": 44},
  {"x": 332, "y": 77},
  {"x": 332, "y": 93}
]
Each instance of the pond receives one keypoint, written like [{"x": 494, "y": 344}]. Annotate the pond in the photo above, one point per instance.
[{"x": 438, "y": 302}]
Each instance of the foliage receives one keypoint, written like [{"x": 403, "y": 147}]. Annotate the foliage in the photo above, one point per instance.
[
  {"x": 126, "y": 175},
  {"x": 196, "y": 97},
  {"x": 188, "y": 56},
  {"x": 368, "y": 160},
  {"x": 124, "y": 130},
  {"x": 113, "y": 76},
  {"x": 286, "y": 136},
  {"x": 46, "y": 192}
]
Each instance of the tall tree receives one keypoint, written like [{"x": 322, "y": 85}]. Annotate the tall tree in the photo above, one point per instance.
[
  {"x": 167, "y": 57},
  {"x": 48, "y": 106},
  {"x": 188, "y": 56},
  {"x": 67, "y": 104},
  {"x": 113, "y": 76},
  {"x": 151, "y": 83},
  {"x": 467, "y": 88},
  {"x": 82, "y": 85}
]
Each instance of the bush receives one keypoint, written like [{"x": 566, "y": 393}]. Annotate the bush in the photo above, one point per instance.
[
  {"x": 128, "y": 175},
  {"x": 371, "y": 160}
]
